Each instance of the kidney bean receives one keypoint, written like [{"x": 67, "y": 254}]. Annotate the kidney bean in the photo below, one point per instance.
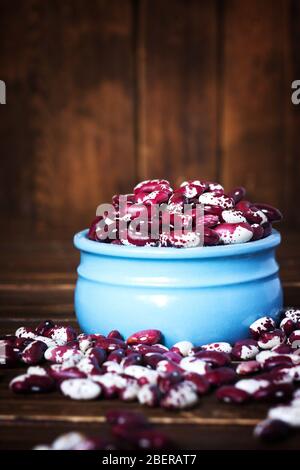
[
  {"x": 99, "y": 355},
  {"x": 212, "y": 210},
  {"x": 243, "y": 206},
  {"x": 232, "y": 394},
  {"x": 87, "y": 365},
  {"x": 201, "y": 384},
  {"x": 116, "y": 199},
  {"x": 214, "y": 358},
  {"x": 60, "y": 354},
  {"x": 148, "y": 186},
  {"x": 180, "y": 396},
  {"x": 149, "y": 395},
  {"x": 59, "y": 373},
  {"x": 251, "y": 386},
  {"x": 145, "y": 349},
  {"x": 219, "y": 347},
  {"x": 111, "y": 384},
  {"x": 176, "y": 202},
  {"x": 92, "y": 233},
  {"x": 10, "y": 339},
  {"x": 288, "y": 414},
  {"x": 139, "y": 372},
  {"x": 214, "y": 187},
  {"x": 220, "y": 376},
  {"x": 258, "y": 232},
  {"x": 293, "y": 314},
  {"x": 245, "y": 349},
  {"x": 43, "y": 327},
  {"x": 248, "y": 367},
  {"x": 287, "y": 326},
  {"x": 152, "y": 359},
  {"x": 173, "y": 356},
  {"x": 9, "y": 356},
  {"x": 272, "y": 214},
  {"x": 294, "y": 339},
  {"x": 117, "y": 355},
  {"x": 26, "y": 383},
  {"x": 80, "y": 389},
  {"x": 232, "y": 216},
  {"x": 37, "y": 370},
  {"x": 166, "y": 381},
  {"x": 61, "y": 334},
  {"x": 234, "y": 233},
  {"x": 158, "y": 196},
  {"x": 193, "y": 188},
  {"x": 261, "y": 325},
  {"x": 270, "y": 339},
  {"x": 183, "y": 348},
  {"x": 115, "y": 334},
  {"x": 280, "y": 376},
  {"x": 214, "y": 199},
  {"x": 78, "y": 441},
  {"x": 282, "y": 349},
  {"x": 25, "y": 332},
  {"x": 211, "y": 237},
  {"x": 193, "y": 364},
  {"x": 255, "y": 216},
  {"x": 50, "y": 343},
  {"x": 167, "y": 366},
  {"x": 262, "y": 356},
  {"x": 180, "y": 240},
  {"x": 130, "y": 392},
  {"x": 148, "y": 337},
  {"x": 112, "y": 366},
  {"x": 237, "y": 194},
  {"x": 271, "y": 430},
  {"x": 21, "y": 343},
  {"x": 85, "y": 342},
  {"x": 110, "y": 344},
  {"x": 33, "y": 353},
  {"x": 133, "y": 359},
  {"x": 267, "y": 229},
  {"x": 277, "y": 361},
  {"x": 274, "y": 392}
]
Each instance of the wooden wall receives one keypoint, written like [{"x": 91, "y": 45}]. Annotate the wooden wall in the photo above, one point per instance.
[{"x": 102, "y": 93}]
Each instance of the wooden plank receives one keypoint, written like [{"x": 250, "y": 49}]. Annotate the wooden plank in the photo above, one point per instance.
[
  {"x": 177, "y": 89},
  {"x": 67, "y": 130},
  {"x": 253, "y": 136},
  {"x": 292, "y": 112},
  {"x": 25, "y": 435}
]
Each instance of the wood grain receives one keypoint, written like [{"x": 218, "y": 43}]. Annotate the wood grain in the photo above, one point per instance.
[
  {"x": 74, "y": 87},
  {"x": 177, "y": 89},
  {"x": 292, "y": 112},
  {"x": 253, "y": 135}
]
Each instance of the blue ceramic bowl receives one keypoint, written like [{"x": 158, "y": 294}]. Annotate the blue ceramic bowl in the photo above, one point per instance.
[{"x": 197, "y": 294}]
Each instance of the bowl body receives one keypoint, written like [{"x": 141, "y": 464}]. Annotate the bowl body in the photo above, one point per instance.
[{"x": 198, "y": 294}]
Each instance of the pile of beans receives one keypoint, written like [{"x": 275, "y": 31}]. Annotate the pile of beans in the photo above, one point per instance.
[
  {"x": 265, "y": 367},
  {"x": 227, "y": 218},
  {"x": 128, "y": 431}
]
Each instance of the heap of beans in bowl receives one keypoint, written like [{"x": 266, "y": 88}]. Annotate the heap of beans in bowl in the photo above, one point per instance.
[{"x": 225, "y": 217}]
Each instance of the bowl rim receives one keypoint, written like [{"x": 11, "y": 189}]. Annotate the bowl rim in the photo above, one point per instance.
[{"x": 83, "y": 244}]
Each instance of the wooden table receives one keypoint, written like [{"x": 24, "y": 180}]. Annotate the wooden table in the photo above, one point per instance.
[{"x": 36, "y": 282}]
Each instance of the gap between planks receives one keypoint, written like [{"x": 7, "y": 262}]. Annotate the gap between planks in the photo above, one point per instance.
[{"x": 186, "y": 418}]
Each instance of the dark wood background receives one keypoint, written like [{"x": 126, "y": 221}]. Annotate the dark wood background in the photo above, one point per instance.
[{"x": 103, "y": 93}]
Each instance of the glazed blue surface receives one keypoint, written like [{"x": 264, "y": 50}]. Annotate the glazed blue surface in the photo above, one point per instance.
[{"x": 197, "y": 294}]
